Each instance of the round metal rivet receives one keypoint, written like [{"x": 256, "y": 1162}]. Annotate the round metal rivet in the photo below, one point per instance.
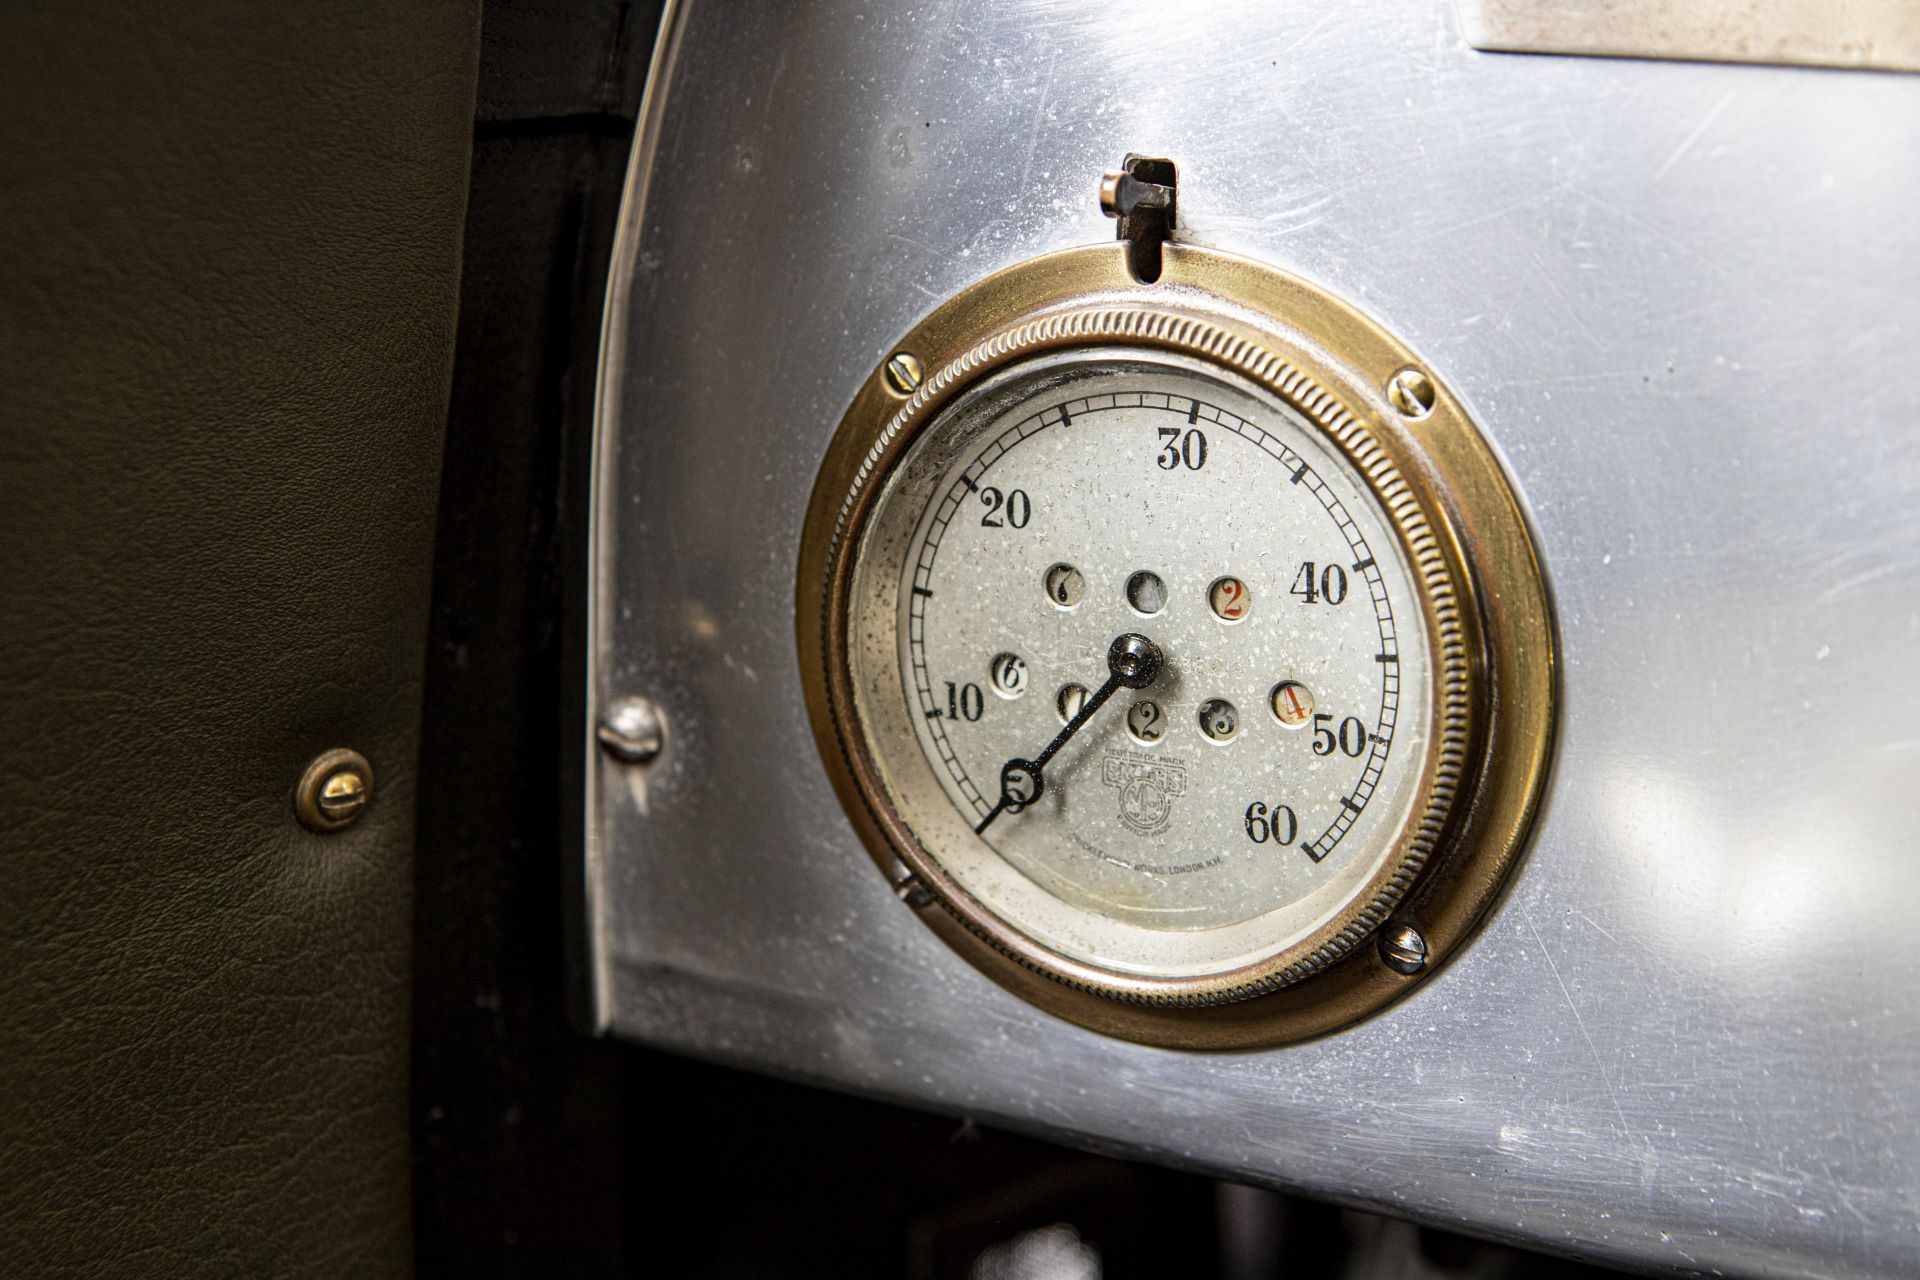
[
  {"x": 632, "y": 730},
  {"x": 1411, "y": 392},
  {"x": 1404, "y": 950},
  {"x": 334, "y": 790},
  {"x": 904, "y": 373}
]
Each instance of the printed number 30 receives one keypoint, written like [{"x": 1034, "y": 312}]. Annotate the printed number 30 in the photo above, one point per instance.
[{"x": 1189, "y": 450}]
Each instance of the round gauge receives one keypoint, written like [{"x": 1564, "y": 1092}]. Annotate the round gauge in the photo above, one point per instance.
[
  {"x": 1149, "y": 640},
  {"x": 1165, "y": 825}
]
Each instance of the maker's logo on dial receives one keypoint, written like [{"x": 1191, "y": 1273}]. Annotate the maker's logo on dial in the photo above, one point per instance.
[{"x": 1148, "y": 788}]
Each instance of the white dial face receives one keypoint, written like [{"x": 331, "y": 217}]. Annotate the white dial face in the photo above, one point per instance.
[{"x": 1259, "y": 784}]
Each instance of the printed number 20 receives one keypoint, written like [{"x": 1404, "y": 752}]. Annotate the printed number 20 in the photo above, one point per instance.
[{"x": 1016, "y": 506}]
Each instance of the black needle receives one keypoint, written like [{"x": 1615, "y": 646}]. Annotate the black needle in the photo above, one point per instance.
[{"x": 1133, "y": 662}]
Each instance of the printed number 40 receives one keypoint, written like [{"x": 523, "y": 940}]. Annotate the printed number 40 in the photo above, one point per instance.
[{"x": 1330, "y": 586}]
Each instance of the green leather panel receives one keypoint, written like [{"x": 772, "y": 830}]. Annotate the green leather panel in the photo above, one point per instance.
[{"x": 227, "y": 296}]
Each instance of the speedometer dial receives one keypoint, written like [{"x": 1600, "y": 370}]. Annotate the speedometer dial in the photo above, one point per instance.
[
  {"x": 1152, "y": 656},
  {"x": 1183, "y": 827}
]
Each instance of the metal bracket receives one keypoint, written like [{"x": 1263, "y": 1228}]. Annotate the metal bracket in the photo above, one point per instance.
[{"x": 1143, "y": 194}]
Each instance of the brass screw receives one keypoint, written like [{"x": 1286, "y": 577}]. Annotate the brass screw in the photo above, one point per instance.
[
  {"x": 334, "y": 791},
  {"x": 343, "y": 795},
  {"x": 1411, "y": 392},
  {"x": 904, "y": 373},
  {"x": 1404, "y": 950}
]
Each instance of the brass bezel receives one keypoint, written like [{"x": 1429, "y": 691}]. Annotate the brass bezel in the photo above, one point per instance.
[{"x": 1260, "y": 320}]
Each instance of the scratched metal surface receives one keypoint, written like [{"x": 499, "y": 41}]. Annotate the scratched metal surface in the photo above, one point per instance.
[{"x": 1681, "y": 299}]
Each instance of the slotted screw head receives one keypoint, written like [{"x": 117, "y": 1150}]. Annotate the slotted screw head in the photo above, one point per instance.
[
  {"x": 334, "y": 790},
  {"x": 1404, "y": 950},
  {"x": 904, "y": 373},
  {"x": 343, "y": 795},
  {"x": 1411, "y": 392}
]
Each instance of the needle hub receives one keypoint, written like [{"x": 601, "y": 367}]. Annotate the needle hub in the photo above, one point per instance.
[{"x": 1134, "y": 660}]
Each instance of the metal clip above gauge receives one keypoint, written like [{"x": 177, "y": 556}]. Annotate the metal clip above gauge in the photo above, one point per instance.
[{"x": 1143, "y": 194}]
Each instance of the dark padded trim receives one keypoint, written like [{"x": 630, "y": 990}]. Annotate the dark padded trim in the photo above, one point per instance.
[{"x": 226, "y": 323}]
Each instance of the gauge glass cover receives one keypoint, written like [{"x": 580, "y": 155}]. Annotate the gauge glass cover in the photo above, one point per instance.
[{"x": 1187, "y": 830}]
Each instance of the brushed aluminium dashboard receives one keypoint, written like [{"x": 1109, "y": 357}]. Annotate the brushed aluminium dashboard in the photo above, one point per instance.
[{"x": 1682, "y": 300}]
